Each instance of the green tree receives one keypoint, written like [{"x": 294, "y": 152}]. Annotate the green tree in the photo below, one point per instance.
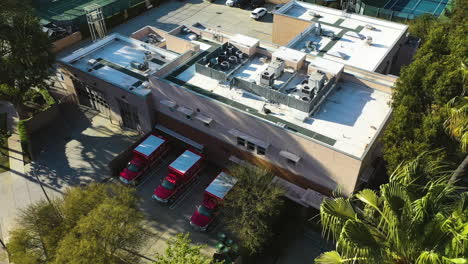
[
  {"x": 457, "y": 126},
  {"x": 181, "y": 250},
  {"x": 99, "y": 223},
  {"x": 421, "y": 26},
  {"x": 415, "y": 218},
  {"x": 251, "y": 205},
  {"x": 425, "y": 86},
  {"x": 25, "y": 52}
]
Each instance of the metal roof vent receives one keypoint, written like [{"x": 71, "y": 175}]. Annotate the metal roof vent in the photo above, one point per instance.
[{"x": 92, "y": 62}]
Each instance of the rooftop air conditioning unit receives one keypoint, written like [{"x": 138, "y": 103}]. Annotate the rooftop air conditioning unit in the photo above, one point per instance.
[
  {"x": 276, "y": 67},
  {"x": 316, "y": 80},
  {"x": 313, "y": 14},
  {"x": 368, "y": 40},
  {"x": 92, "y": 62},
  {"x": 139, "y": 66},
  {"x": 225, "y": 65},
  {"x": 240, "y": 54},
  {"x": 267, "y": 78},
  {"x": 233, "y": 60},
  {"x": 145, "y": 84},
  {"x": 369, "y": 27}
]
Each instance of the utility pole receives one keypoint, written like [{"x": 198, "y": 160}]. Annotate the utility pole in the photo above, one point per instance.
[{"x": 3, "y": 244}]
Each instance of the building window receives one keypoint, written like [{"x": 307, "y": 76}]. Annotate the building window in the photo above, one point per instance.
[
  {"x": 250, "y": 146},
  {"x": 240, "y": 141},
  {"x": 261, "y": 150}
]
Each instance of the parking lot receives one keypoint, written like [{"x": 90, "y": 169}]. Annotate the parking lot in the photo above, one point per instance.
[
  {"x": 216, "y": 15},
  {"x": 166, "y": 220}
]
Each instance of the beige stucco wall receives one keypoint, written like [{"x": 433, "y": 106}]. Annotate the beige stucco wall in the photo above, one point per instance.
[
  {"x": 144, "y": 104},
  {"x": 319, "y": 164},
  {"x": 285, "y": 28}
]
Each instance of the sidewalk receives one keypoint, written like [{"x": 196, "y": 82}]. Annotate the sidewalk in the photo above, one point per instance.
[
  {"x": 16, "y": 190},
  {"x": 3, "y": 256}
]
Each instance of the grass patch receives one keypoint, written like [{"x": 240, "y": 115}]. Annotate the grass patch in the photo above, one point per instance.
[
  {"x": 24, "y": 137},
  {"x": 4, "y": 158}
]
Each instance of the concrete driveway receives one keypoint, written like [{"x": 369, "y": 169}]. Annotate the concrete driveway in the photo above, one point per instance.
[{"x": 77, "y": 149}]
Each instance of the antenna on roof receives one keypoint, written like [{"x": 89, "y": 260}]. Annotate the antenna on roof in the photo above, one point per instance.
[{"x": 96, "y": 22}]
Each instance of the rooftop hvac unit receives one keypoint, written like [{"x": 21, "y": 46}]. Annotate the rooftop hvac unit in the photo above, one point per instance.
[
  {"x": 267, "y": 78},
  {"x": 368, "y": 40},
  {"x": 310, "y": 45},
  {"x": 230, "y": 50},
  {"x": 222, "y": 58},
  {"x": 276, "y": 67},
  {"x": 240, "y": 54},
  {"x": 139, "y": 66},
  {"x": 233, "y": 60},
  {"x": 328, "y": 34},
  {"x": 213, "y": 62},
  {"x": 186, "y": 30},
  {"x": 305, "y": 99},
  {"x": 313, "y": 14},
  {"x": 92, "y": 62},
  {"x": 316, "y": 80},
  {"x": 225, "y": 65},
  {"x": 369, "y": 27},
  {"x": 145, "y": 84}
]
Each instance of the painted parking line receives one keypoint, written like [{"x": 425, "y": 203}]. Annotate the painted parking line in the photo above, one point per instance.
[
  {"x": 194, "y": 186},
  {"x": 153, "y": 171}
]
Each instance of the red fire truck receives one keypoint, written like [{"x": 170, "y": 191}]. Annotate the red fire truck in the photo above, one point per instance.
[
  {"x": 182, "y": 171},
  {"x": 146, "y": 154},
  {"x": 213, "y": 198}
]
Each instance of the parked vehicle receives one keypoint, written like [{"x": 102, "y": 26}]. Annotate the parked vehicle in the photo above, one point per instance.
[
  {"x": 230, "y": 3},
  {"x": 258, "y": 13},
  {"x": 146, "y": 154},
  {"x": 237, "y": 3},
  {"x": 182, "y": 171},
  {"x": 213, "y": 198},
  {"x": 257, "y": 3}
]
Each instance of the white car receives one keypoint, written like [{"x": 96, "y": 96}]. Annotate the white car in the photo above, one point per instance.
[
  {"x": 230, "y": 3},
  {"x": 258, "y": 13}
]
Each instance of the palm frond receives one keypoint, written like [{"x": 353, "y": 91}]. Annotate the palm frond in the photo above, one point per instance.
[
  {"x": 333, "y": 257},
  {"x": 356, "y": 239},
  {"x": 430, "y": 257},
  {"x": 333, "y": 214}
]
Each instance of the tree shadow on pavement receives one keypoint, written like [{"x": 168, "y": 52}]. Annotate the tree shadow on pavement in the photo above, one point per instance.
[{"x": 76, "y": 149}]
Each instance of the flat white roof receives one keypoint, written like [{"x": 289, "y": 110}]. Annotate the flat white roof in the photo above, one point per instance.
[
  {"x": 356, "y": 52},
  {"x": 185, "y": 161},
  {"x": 149, "y": 145},
  {"x": 221, "y": 185},
  {"x": 288, "y": 54},
  {"x": 244, "y": 40},
  {"x": 113, "y": 56},
  {"x": 351, "y": 114}
]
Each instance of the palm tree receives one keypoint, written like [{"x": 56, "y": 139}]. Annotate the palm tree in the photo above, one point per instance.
[
  {"x": 457, "y": 126},
  {"x": 415, "y": 218}
]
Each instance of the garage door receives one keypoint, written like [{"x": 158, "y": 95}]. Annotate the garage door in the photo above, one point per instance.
[{"x": 92, "y": 98}]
